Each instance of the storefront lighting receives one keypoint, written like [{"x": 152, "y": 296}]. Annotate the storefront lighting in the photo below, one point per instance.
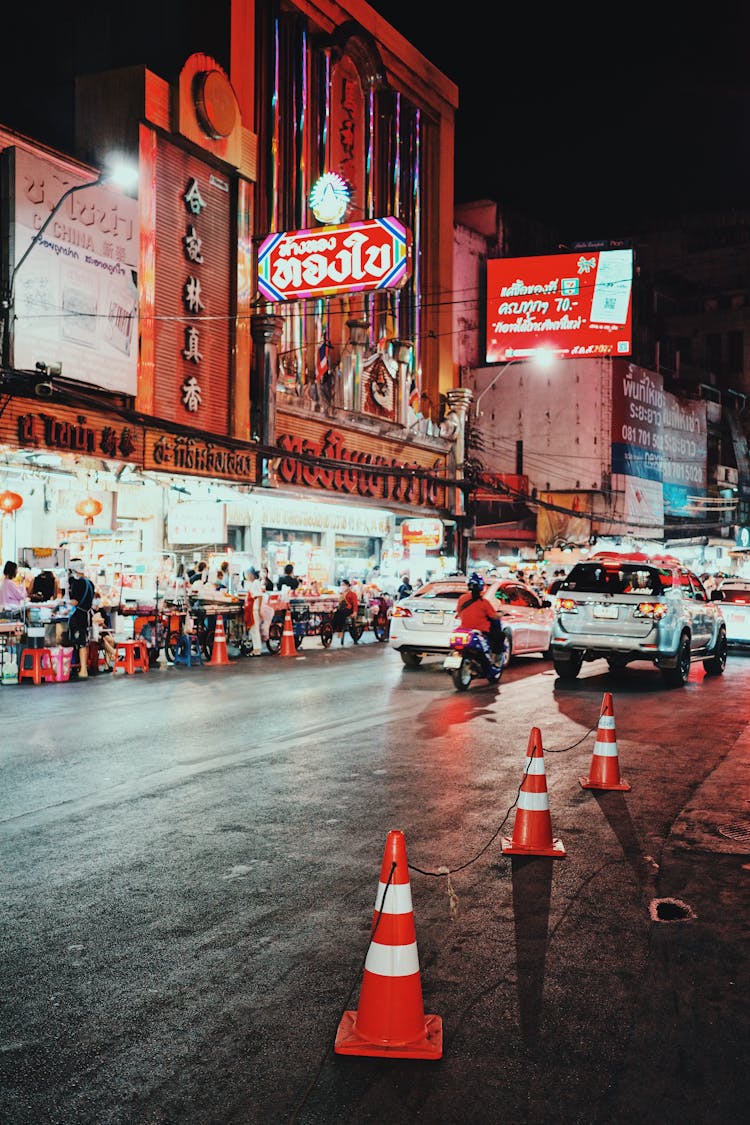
[{"x": 10, "y": 502}]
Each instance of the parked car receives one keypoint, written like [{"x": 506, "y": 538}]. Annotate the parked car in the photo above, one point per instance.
[
  {"x": 422, "y": 623},
  {"x": 631, "y": 607},
  {"x": 733, "y": 597}
]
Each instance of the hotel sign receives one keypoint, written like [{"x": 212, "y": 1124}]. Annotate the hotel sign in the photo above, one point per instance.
[{"x": 374, "y": 254}]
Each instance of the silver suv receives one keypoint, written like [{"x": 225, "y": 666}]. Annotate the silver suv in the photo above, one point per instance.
[{"x": 631, "y": 607}]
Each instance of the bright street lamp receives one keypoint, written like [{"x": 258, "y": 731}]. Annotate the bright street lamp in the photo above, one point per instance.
[{"x": 542, "y": 357}]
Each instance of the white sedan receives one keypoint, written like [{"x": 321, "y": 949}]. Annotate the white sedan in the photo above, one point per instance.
[
  {"x": 422, "y": 623},
  {"x": 733, "y": 597}
]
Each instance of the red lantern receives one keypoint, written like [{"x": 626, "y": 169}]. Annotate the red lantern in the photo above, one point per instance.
[
  {"x": 88, "y": 508},
  {"x": 10, "y": 502}
]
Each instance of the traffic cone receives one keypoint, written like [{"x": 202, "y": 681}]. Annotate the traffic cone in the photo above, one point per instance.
[
  {"x": 532, "y": 831},
  {"x": 288, "y": 647},
  {"x": 390, "y": 1021},
  {"x": 219, "y": 654},
  {"x": 605, "y": 765}
]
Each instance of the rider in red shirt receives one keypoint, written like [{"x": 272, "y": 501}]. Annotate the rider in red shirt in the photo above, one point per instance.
[{"x": 475, "y": 612}]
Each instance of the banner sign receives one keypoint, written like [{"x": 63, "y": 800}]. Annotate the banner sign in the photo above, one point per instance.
[
  {"x": 571, "y": 304},
  {"x": 374, "y": 254}
]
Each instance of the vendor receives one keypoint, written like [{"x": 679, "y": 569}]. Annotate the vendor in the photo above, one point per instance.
[
  {"x": 45, "y": 587},
  {"x": 12, "y": 594}
]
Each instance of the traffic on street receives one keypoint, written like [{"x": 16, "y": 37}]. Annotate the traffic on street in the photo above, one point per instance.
[{"x": 194, "y": 863}]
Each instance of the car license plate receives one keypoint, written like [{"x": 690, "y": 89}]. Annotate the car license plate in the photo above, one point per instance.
[
  {"x": 608, "y": 612},
  {"x": 433, "y": 618},
  {"x": 453, "y": 661}
]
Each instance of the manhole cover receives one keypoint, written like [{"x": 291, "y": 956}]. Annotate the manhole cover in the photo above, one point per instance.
[{"x": 739, "y": 832}]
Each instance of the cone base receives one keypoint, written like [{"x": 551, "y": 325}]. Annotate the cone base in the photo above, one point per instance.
[
  {"x": 348, "y": 1042},
  {"x": 588, "y": 783},
  {"x": 219, "y": 660},
  {"x": 557, "y": 851}
]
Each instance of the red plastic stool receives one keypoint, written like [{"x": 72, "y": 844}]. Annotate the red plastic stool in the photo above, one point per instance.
[
  {"x": 131, "y": 656},
  {"x": 36, "y": 664}
]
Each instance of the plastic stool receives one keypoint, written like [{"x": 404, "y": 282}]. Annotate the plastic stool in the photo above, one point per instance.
[
  {"x": 131, "y": 656},
  {"x": 188, "y": 651},
  {"x": 36, "y": 665}
]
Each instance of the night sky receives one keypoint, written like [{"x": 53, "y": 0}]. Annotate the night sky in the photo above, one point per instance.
[{"x": 594, "y": 117}]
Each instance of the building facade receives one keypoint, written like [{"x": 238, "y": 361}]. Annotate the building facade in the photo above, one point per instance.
[{"x": 266, "y": 316}]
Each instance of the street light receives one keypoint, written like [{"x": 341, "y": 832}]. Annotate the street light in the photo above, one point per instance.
[{"x": 543, "y": 357}]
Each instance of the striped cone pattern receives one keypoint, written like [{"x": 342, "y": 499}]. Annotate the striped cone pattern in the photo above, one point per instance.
[
  {"x": 219, "y": 654},
  {"x": 390, "y": 1021},
  {"x": 605, "y": 764},
  {"x": 532, "y": 831},
  {"x": 288, "y": 647}
]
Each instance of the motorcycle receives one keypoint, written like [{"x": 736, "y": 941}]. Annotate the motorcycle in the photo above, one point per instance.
[
  {"x": 380, "y": 616},
  {"x": 470, "y": 656}
]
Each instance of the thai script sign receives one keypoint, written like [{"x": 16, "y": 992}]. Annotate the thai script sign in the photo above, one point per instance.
[
  {"x": 572, "y": 304},
  {"x": 365, "y": 474},
  {"x": 374, "y": 254}
]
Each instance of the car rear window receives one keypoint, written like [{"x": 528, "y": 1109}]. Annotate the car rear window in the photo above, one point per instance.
[
  {"x": 739, "y": 597},
  {"x": 437, "y": 590},
  {"x": 614, "y": 578}
]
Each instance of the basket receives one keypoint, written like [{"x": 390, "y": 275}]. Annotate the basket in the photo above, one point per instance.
[{"x": 61, "y": 660}]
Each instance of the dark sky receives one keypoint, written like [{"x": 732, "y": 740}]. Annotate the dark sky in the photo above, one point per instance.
[{"x": 594, "y": 118}]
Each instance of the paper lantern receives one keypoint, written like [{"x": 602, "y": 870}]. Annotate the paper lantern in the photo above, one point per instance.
[
  {"x": 10, "y": 502},
  {"x": 88, "y": 508}
]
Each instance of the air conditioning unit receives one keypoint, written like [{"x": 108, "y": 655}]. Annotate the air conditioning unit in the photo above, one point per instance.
[{"x": 726, "y": 476}]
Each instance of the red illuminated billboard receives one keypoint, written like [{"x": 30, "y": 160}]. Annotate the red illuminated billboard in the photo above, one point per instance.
[{"x": 572, "y": 304}]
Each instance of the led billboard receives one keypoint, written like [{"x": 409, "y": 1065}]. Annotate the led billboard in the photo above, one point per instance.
[{"x": 571, "y": 304}]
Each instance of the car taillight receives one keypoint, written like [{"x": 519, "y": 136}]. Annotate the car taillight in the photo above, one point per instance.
[
  {"x": 566, "y": 605},
  {"x": 657, "y": 610},
  {"x": 402, "y": 611},
  {"x": 459, "y": 638}
]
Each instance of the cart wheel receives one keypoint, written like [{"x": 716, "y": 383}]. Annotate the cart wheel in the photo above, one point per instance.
[
  {"x": 273, "y": 644},
  {"x": 326, "y": 634},
  {"x": 356, "y": 630},
  {"x": 172, "y": 645}
]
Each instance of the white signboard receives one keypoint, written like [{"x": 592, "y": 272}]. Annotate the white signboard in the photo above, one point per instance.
[
  {"x": 75, "y": 295},
  {"x": 198, "y": 521}
]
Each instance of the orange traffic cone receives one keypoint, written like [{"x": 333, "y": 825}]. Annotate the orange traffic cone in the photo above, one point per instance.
[
  {"x": 288, "y": 647},
  {"x": 390, "y": 1021},
  {"x": 532, "y": 832},
  {"x": 219, "y": 654},
  {"x": 605, "y": 765}
]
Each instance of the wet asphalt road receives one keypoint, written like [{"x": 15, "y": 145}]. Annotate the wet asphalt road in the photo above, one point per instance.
[{"x": 190, "y": 862}]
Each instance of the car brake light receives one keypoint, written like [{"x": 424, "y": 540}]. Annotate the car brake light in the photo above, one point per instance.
[
  {"x": 402, "y": 611},
  {"x": 566, "y": 605},
  {"x": 657, "y": 610}
]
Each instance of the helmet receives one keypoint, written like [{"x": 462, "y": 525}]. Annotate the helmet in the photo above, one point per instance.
[{"x": 476, "y": 584}]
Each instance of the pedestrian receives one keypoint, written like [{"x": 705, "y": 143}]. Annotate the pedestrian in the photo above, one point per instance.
[
  {"x": 266, "y": 579},
  {"x": 81, "y": 598},
  {"x": 45, "y": 587},
  {"x": 253, "y": 603},
  {"x": 12, "y": 595},
  {"x": 347, "y": 607},
  {"x": 288, "y": 582},
  {"x": 405, "y": 588}
]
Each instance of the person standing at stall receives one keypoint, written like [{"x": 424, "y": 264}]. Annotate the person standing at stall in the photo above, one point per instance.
[
  {"x": 253, "y": 603},
  {"x": 288, "y": 582},
  {"x": 81, "y": 598},
  {"x": 347, "y": 607},
  {"x": 12, "y": 595}
]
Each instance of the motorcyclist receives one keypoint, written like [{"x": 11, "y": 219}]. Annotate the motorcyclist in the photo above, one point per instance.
[{"x": 475, "y": 612}]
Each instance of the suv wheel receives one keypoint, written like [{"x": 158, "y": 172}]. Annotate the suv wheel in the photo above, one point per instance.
[
  {"x": 718, "y": 662},
  {"x": 567, "y": 664},
  {"x": 678, "y": 675}
]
